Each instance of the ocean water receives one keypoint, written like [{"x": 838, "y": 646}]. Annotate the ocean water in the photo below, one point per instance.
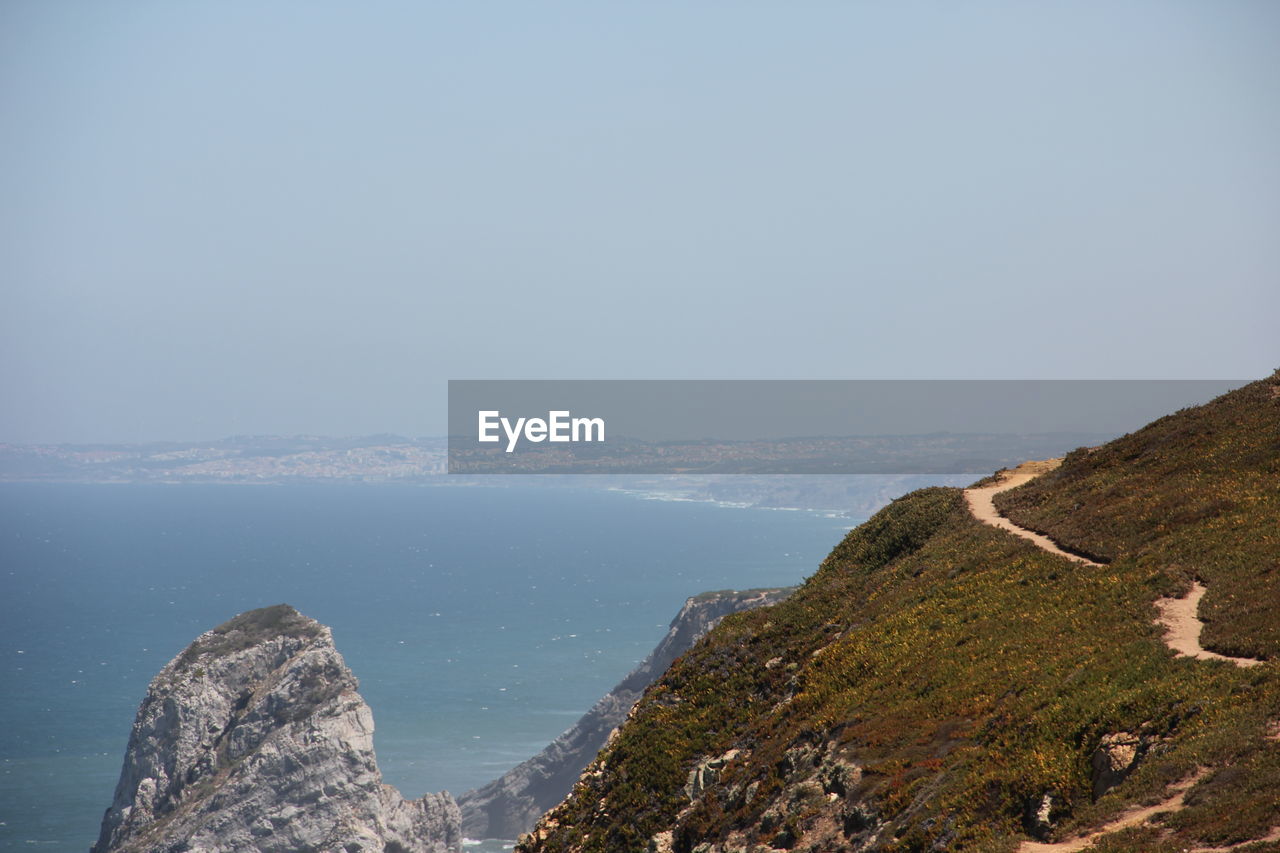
[{"x": 481, "y": 622}]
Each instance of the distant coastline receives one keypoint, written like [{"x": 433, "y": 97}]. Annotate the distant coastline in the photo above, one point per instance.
[{"x": 390, "y": 459}]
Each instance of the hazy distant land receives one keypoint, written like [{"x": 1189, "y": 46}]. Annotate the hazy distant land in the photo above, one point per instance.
[{"x": 708, "y": 468}]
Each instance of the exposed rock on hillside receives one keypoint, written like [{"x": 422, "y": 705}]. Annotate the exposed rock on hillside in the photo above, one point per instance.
[
  {"x": 254, "y": 738},
  {"x": 509, "y": 805},
  {"x": 1116, "y": 757}
]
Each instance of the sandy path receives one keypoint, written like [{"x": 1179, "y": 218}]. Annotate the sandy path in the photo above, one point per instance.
[
  {"x": 1139, "y": 815},
  {"x": 1182, "y": 627},
  {"x": 1270, "y": 838},
  {"x": 983, "y": 507},
  {"x": 1130, "y": 817}
]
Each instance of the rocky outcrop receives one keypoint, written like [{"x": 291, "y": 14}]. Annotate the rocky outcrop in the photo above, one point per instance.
[
  {"x": 810, "y": 778},
  {"x": 707, "y": 773},
  {"x": 1114, "y": 759},
  {"x": 255, "y": 739},
  {"x": 510, "y": 805}
]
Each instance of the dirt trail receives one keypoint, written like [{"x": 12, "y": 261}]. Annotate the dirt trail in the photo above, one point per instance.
[
  {"x": 1130, "y": 817},
  {"x": 1183, "y": 627},
  {"x": 982, "y": 505},
  {"x": 1270, "y": 838},
  {"x": 1142, "y": 814}
]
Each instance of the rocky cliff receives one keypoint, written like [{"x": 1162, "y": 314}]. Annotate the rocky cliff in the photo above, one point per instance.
[
  {"x": 511, "y": 804},
  {"x": 254, "y": 738}
]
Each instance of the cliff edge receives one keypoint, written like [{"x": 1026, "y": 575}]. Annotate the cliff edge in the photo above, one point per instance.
[
  {"x": 254, "y": 738},
  {"x": 511, "y": 804}
]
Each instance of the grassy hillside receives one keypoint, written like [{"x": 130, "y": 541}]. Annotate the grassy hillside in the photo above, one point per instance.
[{"x": 937, "y": 678}]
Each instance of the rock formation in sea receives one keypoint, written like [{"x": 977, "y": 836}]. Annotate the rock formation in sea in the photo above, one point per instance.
[
  {"x": 255, "y": 739},
  {"x": 510, "y": 805}
]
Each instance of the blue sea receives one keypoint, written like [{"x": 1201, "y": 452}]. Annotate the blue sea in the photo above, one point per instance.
[{"x": 480, "y": 621}]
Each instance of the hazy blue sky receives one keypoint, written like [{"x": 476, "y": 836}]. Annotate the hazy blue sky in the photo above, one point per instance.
[{"x": 229, "y": 217}]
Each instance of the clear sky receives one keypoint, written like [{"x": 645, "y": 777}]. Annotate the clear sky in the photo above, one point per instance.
[{"x": 304, "y": 217}]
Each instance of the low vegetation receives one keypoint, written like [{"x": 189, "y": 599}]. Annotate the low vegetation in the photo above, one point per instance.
[{"x": 249, "y": 629}]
